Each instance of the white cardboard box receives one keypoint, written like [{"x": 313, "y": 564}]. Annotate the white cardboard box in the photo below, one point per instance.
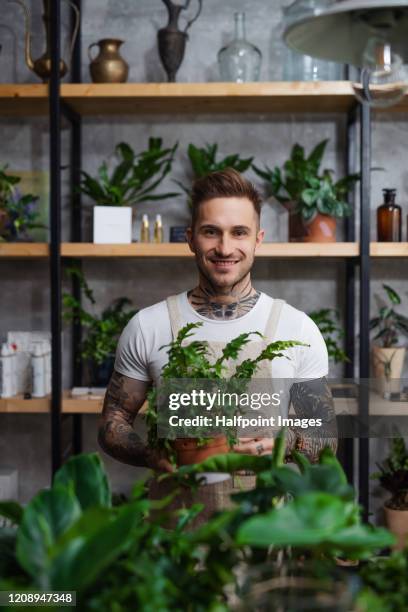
[{"x": 112, "y": 224}]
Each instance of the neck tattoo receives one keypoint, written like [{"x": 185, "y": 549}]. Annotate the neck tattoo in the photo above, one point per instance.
[{"x": 207, "y": 305}]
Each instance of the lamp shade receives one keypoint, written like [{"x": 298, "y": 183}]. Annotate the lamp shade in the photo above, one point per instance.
[{"x": 339, "y": 30}]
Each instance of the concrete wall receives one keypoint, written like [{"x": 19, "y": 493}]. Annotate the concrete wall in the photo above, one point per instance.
[{"x": 24, "y": 302}]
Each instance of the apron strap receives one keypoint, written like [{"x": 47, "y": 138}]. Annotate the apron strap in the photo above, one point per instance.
[
  {"x": 273, "y": 320},
  {"x": 174, "y": 314}
]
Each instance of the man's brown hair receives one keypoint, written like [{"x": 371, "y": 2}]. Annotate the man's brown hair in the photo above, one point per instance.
[{"x": 226, "y": 183}]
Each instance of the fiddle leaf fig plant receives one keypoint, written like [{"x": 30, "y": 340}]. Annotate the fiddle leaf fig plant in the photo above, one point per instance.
[
  {"x": 389, "y": 323},
  {"x": 326, "y": 320},
  {"x": 135, "y": 177},
  {"x": 300, "y": 181}
]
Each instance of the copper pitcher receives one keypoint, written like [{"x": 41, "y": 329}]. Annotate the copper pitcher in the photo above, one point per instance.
[
  {"x": 108, "y": 66},
  {"x": 42, "y": 66}
]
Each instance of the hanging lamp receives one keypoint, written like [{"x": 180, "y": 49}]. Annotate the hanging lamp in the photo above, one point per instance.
[{"x": 371, "y": 35}]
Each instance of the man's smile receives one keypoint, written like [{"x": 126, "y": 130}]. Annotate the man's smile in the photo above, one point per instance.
[{"x": 224, "y": 263}]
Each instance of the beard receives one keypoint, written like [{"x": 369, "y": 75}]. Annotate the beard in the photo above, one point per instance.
[{"x": 219, "y": 281}]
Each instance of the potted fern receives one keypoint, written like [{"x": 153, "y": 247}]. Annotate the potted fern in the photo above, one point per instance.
[
  {"x": 388, "y": 355},
  {"x": 133, "y": 179},
  {"x": 393, "y": 477},
  {"x": 191, "y": 361},
  {"x": 312, "y": 197}
]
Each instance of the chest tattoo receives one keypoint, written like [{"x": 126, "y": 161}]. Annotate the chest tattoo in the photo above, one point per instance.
[{"x": 222, "y": 312}]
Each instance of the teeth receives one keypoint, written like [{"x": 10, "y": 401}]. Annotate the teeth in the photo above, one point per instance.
[{"x": 224, "y": 263}]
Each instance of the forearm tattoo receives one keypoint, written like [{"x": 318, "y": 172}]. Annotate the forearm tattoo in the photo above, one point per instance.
[
  {"x": 312, "y": 399},
  {"x": 204, "y": 300},
  {"x": 116, "y": 436}
]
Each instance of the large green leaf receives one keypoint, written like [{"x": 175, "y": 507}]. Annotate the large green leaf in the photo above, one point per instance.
[
  {"x": 362, "y": 537},
  {"x": 229, "y": 462},
  {"x": 45, "y": 519},
  {"x": 317, "y": 521},
  {"x": 309, "y": 520},
  {"x": 324, "y": 478},
  {"x": 88, "y": 476},
  {"x": 93, "y": 543}
]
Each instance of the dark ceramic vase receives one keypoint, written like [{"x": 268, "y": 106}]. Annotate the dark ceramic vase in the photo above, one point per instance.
[{"x": 172, "y": 40}]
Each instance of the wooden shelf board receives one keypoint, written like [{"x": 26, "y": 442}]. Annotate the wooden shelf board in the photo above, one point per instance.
[
  {"x": 389, "y": 249},
  {"x": 31, "y": 99},
  {"x": 42, "y": 405},
  {"x": 32, "y": 250},
  {"x": 23, "y": 100},
  {"x": 168, "y": 249},
  {"x": 84, "y": 405},
  {"x": 193, "y": 98},
  {"x": 22, "y": 406},
  {"x": 15, "y": 250}
]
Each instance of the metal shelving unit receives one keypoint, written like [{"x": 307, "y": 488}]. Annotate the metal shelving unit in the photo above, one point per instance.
[{"x": 73, "y": 101}]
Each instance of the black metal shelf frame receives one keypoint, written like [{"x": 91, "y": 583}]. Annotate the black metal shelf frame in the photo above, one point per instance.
[{"x": 56, "y": 109}]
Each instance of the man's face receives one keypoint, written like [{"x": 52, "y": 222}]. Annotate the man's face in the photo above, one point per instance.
[{"x": 224, "y": 240}]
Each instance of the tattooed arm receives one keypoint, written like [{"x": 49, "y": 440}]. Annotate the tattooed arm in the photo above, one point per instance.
[
  {"x": 312, "y": 399},
  {"x": 123, "y": 400}
]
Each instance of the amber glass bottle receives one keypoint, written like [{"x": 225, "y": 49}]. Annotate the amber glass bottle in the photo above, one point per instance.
[{"x": 389, "y": 218}]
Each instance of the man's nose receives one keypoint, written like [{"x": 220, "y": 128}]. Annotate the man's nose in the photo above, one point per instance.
[{"x": 224, "y": 246}]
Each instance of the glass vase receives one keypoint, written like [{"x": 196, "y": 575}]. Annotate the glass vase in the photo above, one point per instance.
[
  {"x": 299, "y": 67},
  {"x": 240, "y": 61}
]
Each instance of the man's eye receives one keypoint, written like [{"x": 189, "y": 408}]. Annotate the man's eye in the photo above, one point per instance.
[
  {"x": 240, "y": 232},
  {"x": 209, "y": 232}
]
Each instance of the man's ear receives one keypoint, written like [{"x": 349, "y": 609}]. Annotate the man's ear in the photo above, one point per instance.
[
  {"x": 259, "y": 238},
  {"x": 190, "y": 239}
]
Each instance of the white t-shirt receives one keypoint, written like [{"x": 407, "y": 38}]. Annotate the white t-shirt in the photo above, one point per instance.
[{"x": 139, "y": 356}]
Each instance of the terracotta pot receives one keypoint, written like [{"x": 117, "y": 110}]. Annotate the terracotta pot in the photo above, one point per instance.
[
  {"x": 387, "y": 367},
  {"x": 188, "y": 451},
  {"x": 397, "y": 523},
  {"x": 321, "y": 228}
]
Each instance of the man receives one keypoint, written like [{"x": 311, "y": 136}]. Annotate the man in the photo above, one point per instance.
[{"x": 224, "y": 237}]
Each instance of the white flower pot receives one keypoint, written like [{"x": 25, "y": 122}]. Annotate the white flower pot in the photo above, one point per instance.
[{"x": 112, "y": 224}]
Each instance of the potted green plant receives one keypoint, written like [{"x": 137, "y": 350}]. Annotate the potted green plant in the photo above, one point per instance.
[
  {"x": 191, "y": 361},
  {"x": 393, "y": 477},
  {"x": 388, "y": 356},
  {"x": 203, "y": 161},
  {"x": 18, "y": 214},
  {"x": 101, "y": 331},
  {"x": 133, "y": 179},
  {"x": 314, "y": 201}
]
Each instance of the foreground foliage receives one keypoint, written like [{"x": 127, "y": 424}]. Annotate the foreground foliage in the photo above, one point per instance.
[{"x": 70, "y": 537}]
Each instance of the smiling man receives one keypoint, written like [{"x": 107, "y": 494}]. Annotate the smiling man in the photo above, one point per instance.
[{"x": 224, "y": 236}]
